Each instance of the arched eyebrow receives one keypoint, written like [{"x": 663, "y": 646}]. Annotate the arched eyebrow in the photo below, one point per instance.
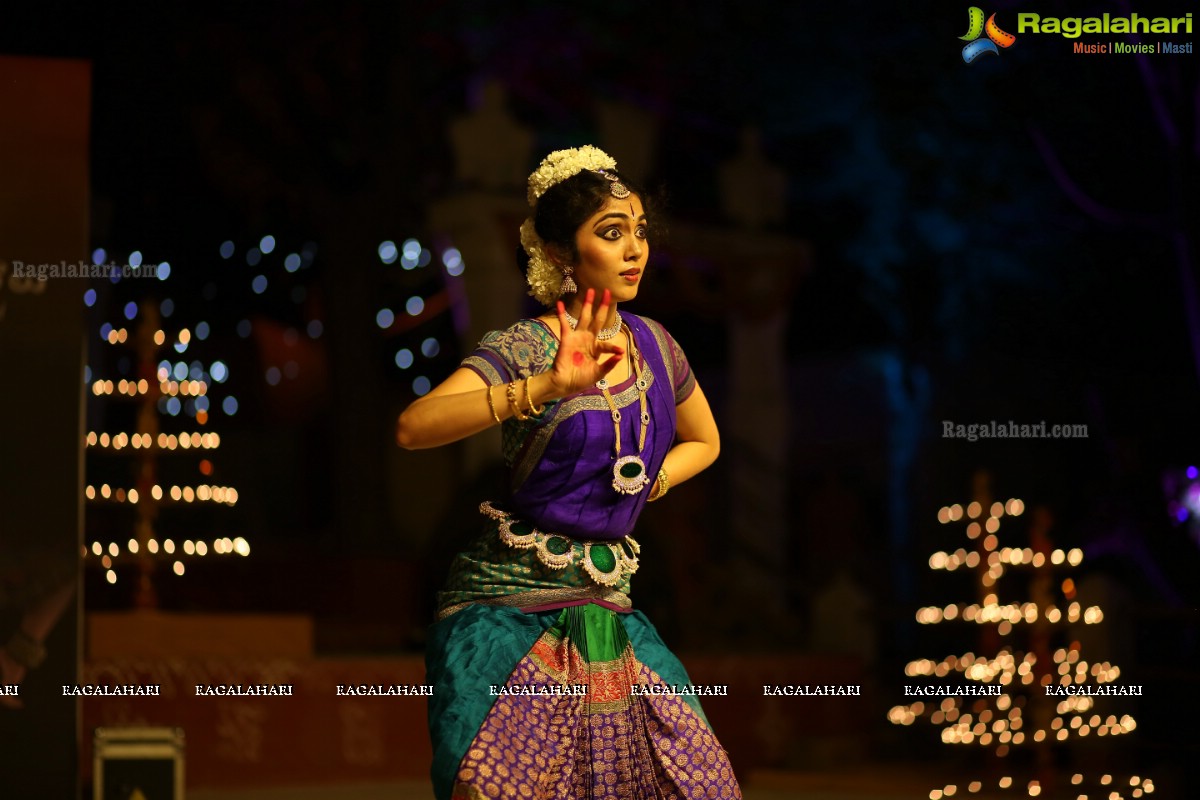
[{"x": 617, "y": 215}]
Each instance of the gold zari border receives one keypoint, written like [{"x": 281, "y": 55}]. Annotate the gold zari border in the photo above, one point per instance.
[{"x": 537, "y": 597}]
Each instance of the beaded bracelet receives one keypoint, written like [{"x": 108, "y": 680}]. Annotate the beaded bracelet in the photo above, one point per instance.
[
  {"x": 511, "y": 392},
  {"x": 661, "y": 485}
]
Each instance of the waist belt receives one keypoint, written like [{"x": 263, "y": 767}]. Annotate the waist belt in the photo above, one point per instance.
[{"x": 605, "y": 562}]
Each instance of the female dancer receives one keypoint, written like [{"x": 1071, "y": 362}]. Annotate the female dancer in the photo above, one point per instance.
[{"x": 547, "y": 684}]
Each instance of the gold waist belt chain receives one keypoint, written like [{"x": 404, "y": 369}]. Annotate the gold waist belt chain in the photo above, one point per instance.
[{"x": 606, "y": 563}]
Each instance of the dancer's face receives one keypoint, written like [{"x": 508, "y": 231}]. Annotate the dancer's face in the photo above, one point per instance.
[{"x": 613, "y": 249}]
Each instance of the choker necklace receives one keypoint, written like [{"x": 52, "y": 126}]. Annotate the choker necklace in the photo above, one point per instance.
[
  {"x": 603, "y": 335},
  {"x": 629, "y": 472}
]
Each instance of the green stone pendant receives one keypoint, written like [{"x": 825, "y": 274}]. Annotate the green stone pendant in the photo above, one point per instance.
[
  {"x": 629, "y": 475},
  {"x": 605, "y": 563},
  {"x": 558, "y": 545},
  {"x": 603, "y": 558}
]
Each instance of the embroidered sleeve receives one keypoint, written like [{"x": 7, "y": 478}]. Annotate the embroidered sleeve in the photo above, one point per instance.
[
  {"x": 505, "y": 356},
  {"x": 681, "y": 371},
  {"x": 682, "y": 379},
  {"x": 525, "y": 349}
]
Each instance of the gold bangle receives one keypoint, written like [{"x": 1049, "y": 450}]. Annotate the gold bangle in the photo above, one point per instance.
[
  {"x": 511, "y": 392},
  {"x": 662, "y": 485},
  {"x": 492, "y": 406},
  {"x": 532, "y": 408}
]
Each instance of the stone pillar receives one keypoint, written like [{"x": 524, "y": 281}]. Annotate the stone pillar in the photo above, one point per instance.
[{"x": 44, "y": 208}]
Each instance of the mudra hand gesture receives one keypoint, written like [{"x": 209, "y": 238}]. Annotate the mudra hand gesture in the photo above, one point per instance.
[{"x": 578, "y": 364}]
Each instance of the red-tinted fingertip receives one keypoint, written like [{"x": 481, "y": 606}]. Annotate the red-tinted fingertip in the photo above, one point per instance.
[
  {"x": 591, "y": 295},
  {"x": 607, "y": 295}
]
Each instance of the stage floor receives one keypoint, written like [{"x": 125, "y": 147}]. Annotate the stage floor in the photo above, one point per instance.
[
  {"x": 888, "y": 784},
  {"x": 421, "y": 791}
]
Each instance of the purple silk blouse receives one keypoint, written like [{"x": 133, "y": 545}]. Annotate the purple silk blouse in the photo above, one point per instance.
[{"x": 561, "y": 461}]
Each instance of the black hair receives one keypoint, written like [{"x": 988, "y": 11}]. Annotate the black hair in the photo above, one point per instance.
[{"x": 568, "y": 204}]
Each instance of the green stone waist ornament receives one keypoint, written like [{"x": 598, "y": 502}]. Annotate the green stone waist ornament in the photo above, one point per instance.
[{"x": 606, "y": 563}]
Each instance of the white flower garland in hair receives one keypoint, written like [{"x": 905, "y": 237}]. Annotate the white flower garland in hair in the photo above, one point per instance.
[
  {"x": 545, "y": 279},
  {"x": 563, "y": 164}
]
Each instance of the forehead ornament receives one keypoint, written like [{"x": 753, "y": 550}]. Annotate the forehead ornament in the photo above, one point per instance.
[{"x": 616, "y": 188}]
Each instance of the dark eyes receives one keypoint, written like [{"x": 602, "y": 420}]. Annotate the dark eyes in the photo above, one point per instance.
[{"x": 614, "y": 233}]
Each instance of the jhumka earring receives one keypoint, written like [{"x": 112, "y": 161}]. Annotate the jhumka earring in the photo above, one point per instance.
[{"x": 568, "y": 283}]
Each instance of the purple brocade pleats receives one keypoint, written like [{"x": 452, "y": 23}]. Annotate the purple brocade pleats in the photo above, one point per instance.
[{"x": 566, "y": 727}]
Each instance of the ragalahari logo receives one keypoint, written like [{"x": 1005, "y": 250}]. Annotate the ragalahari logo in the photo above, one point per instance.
[{"x": 975, "y": 28}]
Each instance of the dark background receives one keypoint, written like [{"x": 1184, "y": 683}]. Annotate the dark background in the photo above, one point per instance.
[{"x": 1010, "y": 239}]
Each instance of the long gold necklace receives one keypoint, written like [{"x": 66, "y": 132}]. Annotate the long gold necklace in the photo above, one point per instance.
[{"x": 629, "y": 472}]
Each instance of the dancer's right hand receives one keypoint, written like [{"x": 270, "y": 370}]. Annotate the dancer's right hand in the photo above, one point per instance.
[{"x": 580, "y": 360}]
